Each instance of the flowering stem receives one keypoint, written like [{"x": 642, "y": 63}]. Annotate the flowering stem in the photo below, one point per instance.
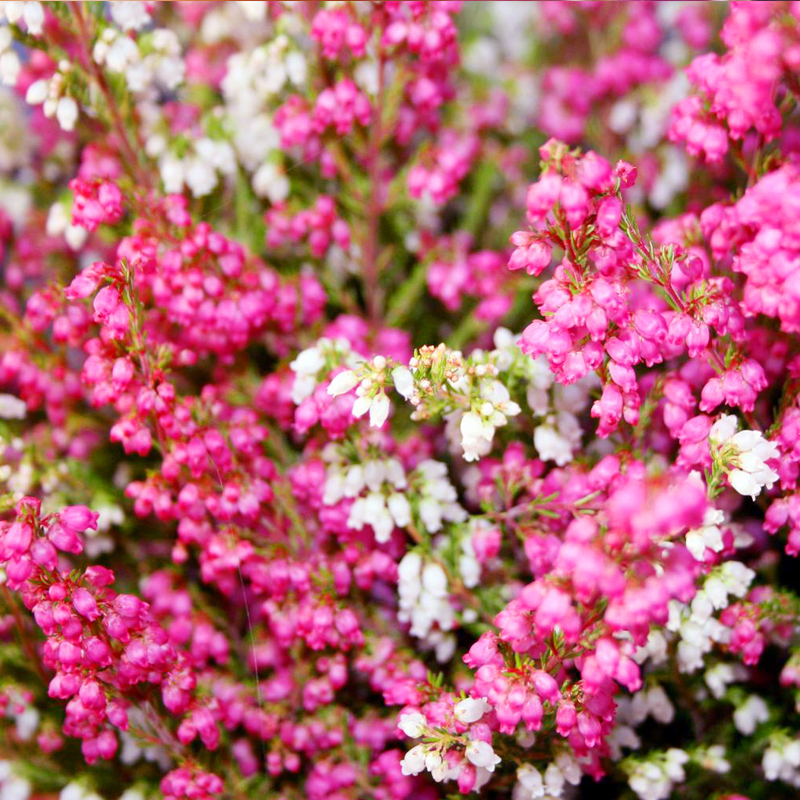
[{"x": 139, "y": 175}]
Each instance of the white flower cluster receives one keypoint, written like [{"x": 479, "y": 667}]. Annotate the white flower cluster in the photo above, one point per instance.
[
  {"x": 558, "y": 435},
  {"x": 370, "y": 384},
  {"x": 489, "y": 412},
  {"x": 651, "y": 702},
  {"x": 59, "y": 223},
  {"x": 153, "y": 61},
  {"x": 9, "y": 60},
  {"x": 252, "y": 79},
  {"x": 11, "y": 407},
  {"x": 130, "y": 15},
  {"x": 468, "y": 565},
  {"x": 430, "y": 756},
  {"x": 50, "y": 94},
  {"x": 466, "y": 711},
  {"x": 312, "y": 361},
  {"x": 438, "y": 499},
  {"x": 199, "y": 170},
  {"x": 384, "y": 506},
  {"x": 531, "y": 784},
  {"x": 654, "y": 649},
  {"x": 378, "y": 487},
  {"x": 781, "y": 760},
  {"x": 29, "y": 12},
  {"x": 75, "y": 790},
  {"x": 632, "y": 711},
  {"x": 708, "y": 535},
  {"x": 13, "y": 786},
  {"x": 696, "y": 625},
  {"x": 654, "y": 778},
  {"x": 97, "y": 542},
  {"x": 423, "y": 599},
  {"x": 750, "y": 714},
  {"x": 743, "y": 456},
  {"x": 721, "y": 675},
  {"x": 712, "y": 758}
]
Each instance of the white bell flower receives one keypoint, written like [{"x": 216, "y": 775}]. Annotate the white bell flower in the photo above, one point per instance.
[
  {"x": 750, "y": 714},
  {"x": 403, "y": 381},
  {"x": 12, "y": 407},
  {"x": 414, "y": 760},
  {"x": 471, "y": 710},
  {"x": 413, "y": 725},
  {"x": 746, "y": 453},
  {"x": 481, "y": 754}
]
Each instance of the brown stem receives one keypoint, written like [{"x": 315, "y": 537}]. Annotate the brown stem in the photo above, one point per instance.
[
  {"x": 129, "y": 153},
  {"x": 372, "y": 292},
  {"x": 28, "y": 645}
]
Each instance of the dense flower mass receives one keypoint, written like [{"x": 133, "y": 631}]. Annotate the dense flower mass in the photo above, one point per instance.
[{"x": 399, "y": 400}]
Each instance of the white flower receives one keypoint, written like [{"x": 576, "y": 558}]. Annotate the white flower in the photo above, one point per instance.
[
  {"x": 649, "y": 782},
  {"x": 9, "y": 68},
  {"x": 409, "y": 567},
  {"x": 434, "y": 579},
  {"x": 557, "y": 439},
  {"x": 723, "y": 429},
  {"x": 713, "y": 758},
  {"x": 437, "y": 766},
  {"x": 470, "y": 570},
  {"x": 271, "y": 182},
  {"x": 37, "y": 92},
  {"x": 471, "y": 710},
  {"x": 719, "y": 676},
  {"x": 403, "y": 381},
  {"x": 27, "y": 723},
  {"x": 622, "y": 736},
  {"x": 414, "y": 760},
  {"x": 782, "y": 759},
  {"x": 378, "y": 407},
  {"x": 33, "y": 14},
  {"x": 569, "y": 767},
  {"x": 659, "y": 705},
  {"x": 172, "y": 173},
  {"x": 13, "y": 787},
  {"x": 120, "y": 54},
  {"x": 296, "y": 67},
  {"x": 253, "y": 10},
  {"x": 530, "y": 785},
  {"x": 708, "y": 536},
  {"x": 750, "y": 714},
  {"x": 67, "y": 113},
  {"x": 130, "y": 15},
  {"x": 413, "y": 725},
  {"x": 354, "y": 481},
  {"x": 200, "y": 177},
  {"x": 12, "y": 407},
  {"x": 746, "y": 453},
  {"x": 343, "y": 383},
  {"x": 379, "y": 410},
  {"x": 553, "y": 780},
  {"x": 306, "y": 367},
  {"x": 481, "y": 754},
  {"x": 476, "y": 436},
  {"x": 673, "y": 763},
  {"x": 400, "y": 509}
]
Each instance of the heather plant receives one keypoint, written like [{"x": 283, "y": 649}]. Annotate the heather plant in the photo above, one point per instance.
[{"x": 399, "y": 400}]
